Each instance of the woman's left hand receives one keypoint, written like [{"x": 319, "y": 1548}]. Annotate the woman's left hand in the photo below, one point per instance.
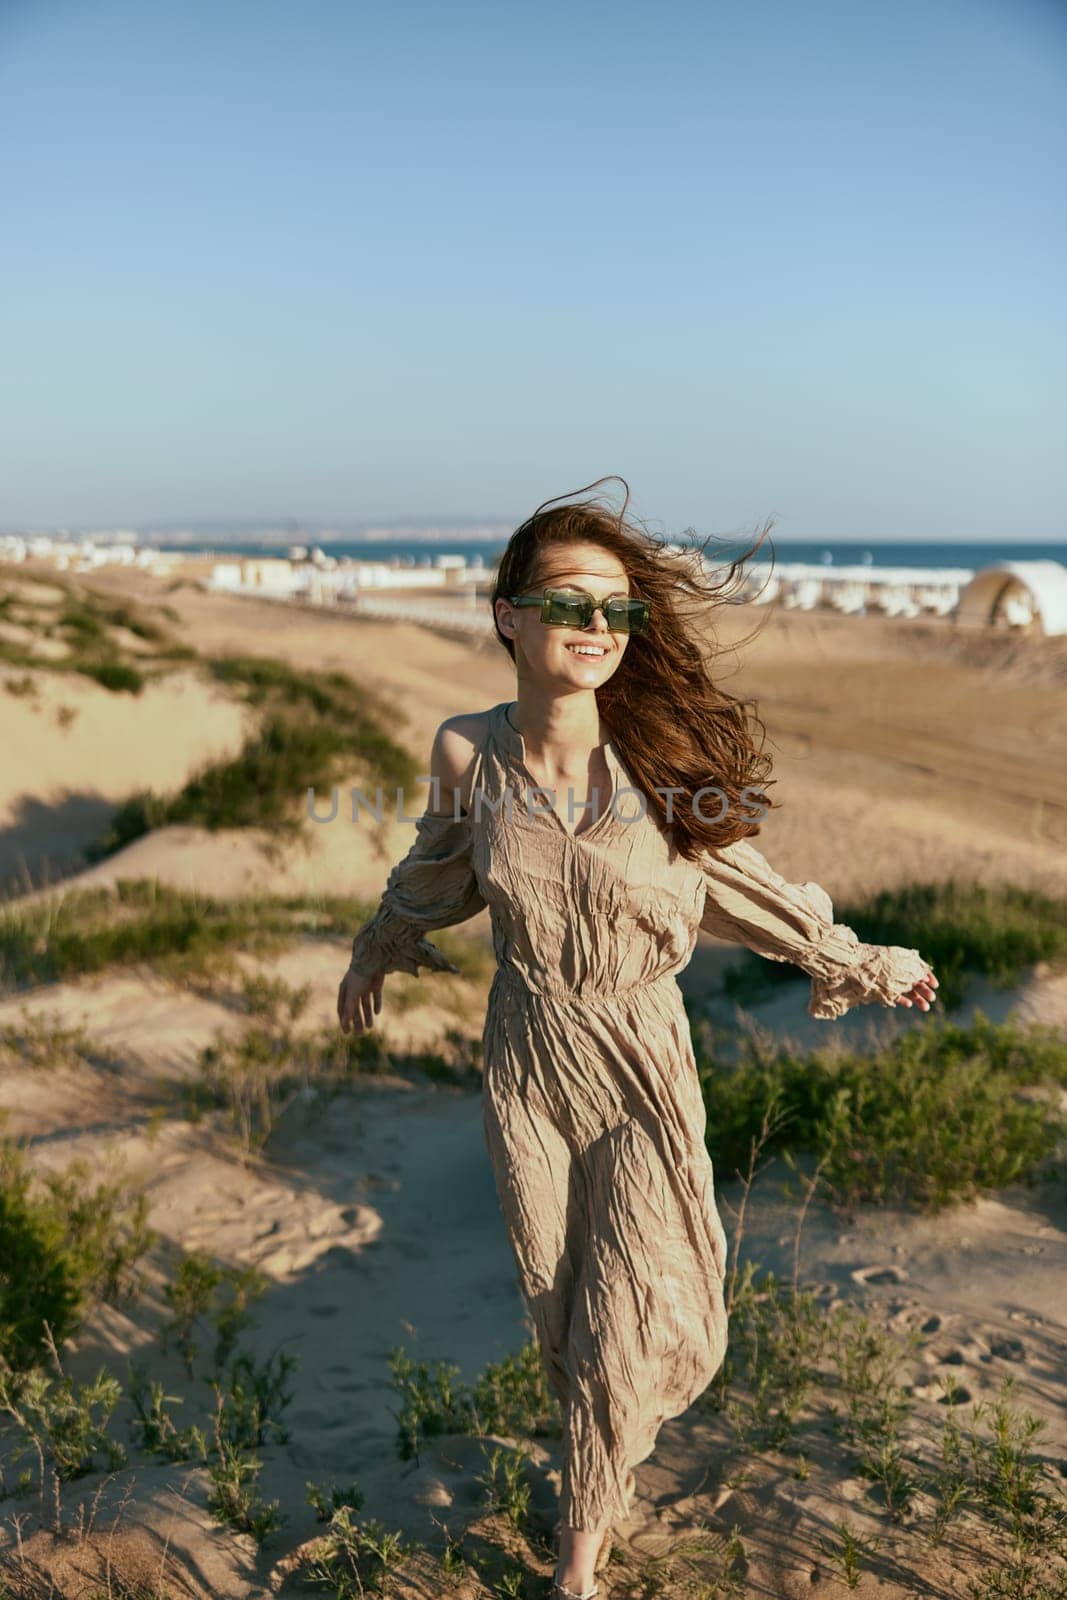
[{"x": 920, "y": 994}]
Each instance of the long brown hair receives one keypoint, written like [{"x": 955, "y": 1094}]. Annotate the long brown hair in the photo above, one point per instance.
[{"x": 672, "y": 724}]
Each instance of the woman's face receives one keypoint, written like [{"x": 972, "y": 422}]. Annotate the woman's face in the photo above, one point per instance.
[{"x": 581, "y": 658}]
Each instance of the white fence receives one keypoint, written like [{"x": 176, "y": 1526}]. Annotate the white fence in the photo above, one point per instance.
[{"x": 464, "y": 615}]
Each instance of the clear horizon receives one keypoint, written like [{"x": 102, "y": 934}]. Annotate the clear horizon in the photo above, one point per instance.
[{"x": 377, "y": 265}]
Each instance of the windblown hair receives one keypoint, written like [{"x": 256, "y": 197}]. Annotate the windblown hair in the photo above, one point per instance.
[{"x": 672, "y": 724}]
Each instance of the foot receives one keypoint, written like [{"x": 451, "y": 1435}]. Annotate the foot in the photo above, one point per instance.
[{"x": 561, "y": 1592}]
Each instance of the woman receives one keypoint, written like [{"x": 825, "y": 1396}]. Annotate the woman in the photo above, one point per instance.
[{"x": 603, "y": 817}]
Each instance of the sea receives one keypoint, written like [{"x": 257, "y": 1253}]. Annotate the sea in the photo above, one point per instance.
[{"x": 825, "y": 552}]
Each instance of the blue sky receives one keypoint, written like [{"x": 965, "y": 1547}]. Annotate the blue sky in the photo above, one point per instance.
[{"x": 335, "y": 261}]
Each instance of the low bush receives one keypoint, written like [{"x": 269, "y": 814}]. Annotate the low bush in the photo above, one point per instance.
[
  {"x": 938, "y": 1115},
  {"x": 65, "y": 1241},
  {"x": 44, "y": 1043},
  {"x": 510, "y": 1397}
]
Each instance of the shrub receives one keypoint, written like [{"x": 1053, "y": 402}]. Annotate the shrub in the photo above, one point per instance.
[
  {"x": 43, "y": 1043},
  {"x": 38, "y": 1276},
  {"x": 325, "y": 1501},
  {"x": 64, "y": 1423},
  {"x": 62, "y": 1243},
  {"x": 354, "y": 1559},
  {"x": 510, "y": 1397},
  {"x": 118, "y": 676},
  {"x": 194, "y": 1293},
  {"x": 934, "y": 1117}
]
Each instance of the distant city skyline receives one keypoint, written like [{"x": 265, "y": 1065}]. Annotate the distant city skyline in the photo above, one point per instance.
[{"x": 275, "y": 264}]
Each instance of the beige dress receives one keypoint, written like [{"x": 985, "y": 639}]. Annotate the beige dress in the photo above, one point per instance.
[{"x": 593, "y": 1112}]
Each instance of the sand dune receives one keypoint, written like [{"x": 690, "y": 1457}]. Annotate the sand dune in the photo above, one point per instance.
[{"x": 902, "y": 754}]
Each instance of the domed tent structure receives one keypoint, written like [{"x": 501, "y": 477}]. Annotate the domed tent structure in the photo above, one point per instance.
[{"x": 1028, "y": 595}]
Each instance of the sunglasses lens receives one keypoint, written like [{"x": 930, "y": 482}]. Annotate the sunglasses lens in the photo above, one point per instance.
[
  {"x": 567, "y": 611},
  {"x": 627, "y": 616}
]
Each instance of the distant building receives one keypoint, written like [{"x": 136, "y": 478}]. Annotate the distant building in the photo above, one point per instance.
[
  {"x": 225, "y": 575},
  {"x": 273, "y": 573},
  {"x": 323, "y": 580}
]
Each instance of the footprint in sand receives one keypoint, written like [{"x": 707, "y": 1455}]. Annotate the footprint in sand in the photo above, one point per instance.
[
  {"x": 822, "y": 1291},
  {"x": 965, "y": 1354},
  {"x": 936, "y": 1391},
  {"x": 871, "y": 1276},
  {"x": 1007, "y": 1348},
  {"x": 911, "y": 1315}
]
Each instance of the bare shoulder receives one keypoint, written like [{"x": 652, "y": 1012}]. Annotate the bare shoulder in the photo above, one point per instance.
[{"x": 455, "y": 749}]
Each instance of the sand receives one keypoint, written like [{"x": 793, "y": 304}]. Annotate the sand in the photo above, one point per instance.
[{"x": 901, "y": 751}]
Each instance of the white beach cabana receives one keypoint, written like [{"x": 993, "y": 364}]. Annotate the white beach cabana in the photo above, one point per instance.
[{"x": 1016, "y": 594}]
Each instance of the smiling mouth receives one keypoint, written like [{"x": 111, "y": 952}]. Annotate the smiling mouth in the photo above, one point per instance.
[{"x": 592, "y": 652}]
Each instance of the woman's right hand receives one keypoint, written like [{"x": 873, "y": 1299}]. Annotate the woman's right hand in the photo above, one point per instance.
[{"x": 359, "y": 1000}]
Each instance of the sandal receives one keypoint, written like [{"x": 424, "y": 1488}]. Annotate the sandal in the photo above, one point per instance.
[{"x": 570, "y": 1594}]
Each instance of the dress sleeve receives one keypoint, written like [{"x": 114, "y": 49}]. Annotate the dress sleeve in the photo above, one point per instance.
[
  {"x": 434, "y": 886},
  {"x": 751, "y": 904}
]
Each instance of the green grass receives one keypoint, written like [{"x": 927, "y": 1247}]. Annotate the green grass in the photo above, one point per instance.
[
  {"x": 255, "y": 1073},
  {"x": 184, "y": 934},
  {"x": 962, "y": 929},
  {"x": 84, "y": 621},
  {"x": 937, "y": 1116},
  {"x": 44, "y": 1043},
  {"x": 506, "y": 1484},
  {"x": 258, "y": 1072},
  {"x": 63, "y": 1425},
  {"x": 68, "y": 934}
]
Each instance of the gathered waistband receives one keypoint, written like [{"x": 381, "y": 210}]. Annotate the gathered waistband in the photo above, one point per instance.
[{"x": 558, "y": 989}]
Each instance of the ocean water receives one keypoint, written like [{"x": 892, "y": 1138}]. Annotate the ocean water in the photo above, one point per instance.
[
  {"x": 874, "y": 552},
  {"x": 906, "y": 553}
]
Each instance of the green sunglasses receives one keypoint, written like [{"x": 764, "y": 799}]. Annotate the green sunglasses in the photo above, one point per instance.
[{"x": 573, "y": 608}]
